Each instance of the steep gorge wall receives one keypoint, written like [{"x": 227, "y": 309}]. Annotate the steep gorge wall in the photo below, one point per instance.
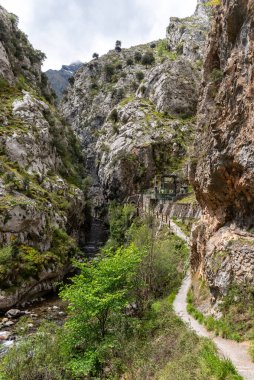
[
  {"x": 223, "y": 167},
  {"x": 136, "y": 120},
  {"x": 41, "y": 201}
]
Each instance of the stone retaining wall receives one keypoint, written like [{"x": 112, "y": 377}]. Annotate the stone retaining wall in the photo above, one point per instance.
[{"x": 171, "y": 209}]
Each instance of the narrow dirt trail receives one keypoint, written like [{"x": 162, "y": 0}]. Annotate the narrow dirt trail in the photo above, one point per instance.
[{"x": 236, "y": 352}]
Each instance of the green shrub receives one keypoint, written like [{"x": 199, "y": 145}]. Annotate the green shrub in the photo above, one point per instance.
[
  {"x": 37, "y": 356},
  {"x": 114, "y": 115},
  {"x": 137, "y": 56},
  {"x": 118, "y": 66},
  {"x": 120, "y": 219},
  {"x": 115, "y": 129},
  {"x": 105, "y": 148},
  {"x": 164, "y": 52},
  {"x": 109, "y": 71},
  {"x": 123, "y": 75},
  {"x": 134, "y": 85},
  {"x": 216, "y": 75},
  {"x": 5, "y": 255},
  {"x": 140, "y": 76},
  {"x": 221, "y": 327},
  {"x": 162, "y": 47},
  {"x": 3, "y": 83},
  {"x": 129, "y": 62},
  {"x": 118, "y": 94},
  {"x": 147, "y": 58},
  {"x": 179, "y": 49}
]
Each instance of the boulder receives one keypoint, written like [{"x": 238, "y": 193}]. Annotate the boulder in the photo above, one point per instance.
[
  {"x": 4, "y": 335},
  {"x": 14, "y": 313}
]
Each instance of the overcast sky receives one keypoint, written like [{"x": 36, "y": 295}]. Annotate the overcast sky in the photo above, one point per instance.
[{"x": 71, "y": 30}]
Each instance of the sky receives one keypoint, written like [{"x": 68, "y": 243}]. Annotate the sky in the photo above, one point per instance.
[{"x": 72, "y": 30}]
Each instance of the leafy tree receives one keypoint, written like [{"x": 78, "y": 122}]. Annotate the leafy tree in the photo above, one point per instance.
[
  {"x": 97, "y": 298},
  {"x": 118, "y": 45},
  {"x": 147, "y": 59},
  {"x": 137, "y": 56},
  {"x": 120, "y": 219},
  {"x": 109, "y": 71},
  {"x": 40, "y": 55},
  {"x": 95, "y": 55}
]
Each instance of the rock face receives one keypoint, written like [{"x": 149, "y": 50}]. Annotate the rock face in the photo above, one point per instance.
[
  {"x": 41, "y": 203},
  {"x": 59, "y": 79},
  {"x": 223, "y": 168},
  {"x": 133, "y": 109},
  {"x": 19, "y": 61},
  {"x": 188, "y": 35}
]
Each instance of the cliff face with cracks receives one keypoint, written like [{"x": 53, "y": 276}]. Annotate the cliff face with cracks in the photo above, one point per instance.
[
  {"x": 40, "y": 166},
  {"x": 223, "y": 168}
]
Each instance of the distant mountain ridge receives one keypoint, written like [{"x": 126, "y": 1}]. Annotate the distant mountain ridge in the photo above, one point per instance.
[{"x": 59, "y": 79}]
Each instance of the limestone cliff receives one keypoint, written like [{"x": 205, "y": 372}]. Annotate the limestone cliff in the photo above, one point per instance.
[
  {"x": 41, "y": 204},
  {"x": 133, "y": 109},
  {"x": 223, "y": 167}
]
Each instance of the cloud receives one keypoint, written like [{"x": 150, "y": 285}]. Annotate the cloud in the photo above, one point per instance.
[{"x": 72, "y": 30}]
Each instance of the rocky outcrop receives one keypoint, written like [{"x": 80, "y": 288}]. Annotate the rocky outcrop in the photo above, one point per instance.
[
  {"x": 188, "y": 35},
  {"x": 141, "y": 143},
  {"x": 20, "y": 62},
  {"x": 133, "y": 110},
  {"x": 223, "y": 174},
  {"x": 28, "y": 290},
  {"x": 41, "y": 201},
  {"x": 59, "y": 79}
]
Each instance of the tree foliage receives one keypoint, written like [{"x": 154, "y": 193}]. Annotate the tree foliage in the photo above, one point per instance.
[
  {"x": 109, "y": 71},
  {"x": 137, "y": 56},
  {"x": 148, "y": 58},
  {"x": 97, "y": 298}
]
